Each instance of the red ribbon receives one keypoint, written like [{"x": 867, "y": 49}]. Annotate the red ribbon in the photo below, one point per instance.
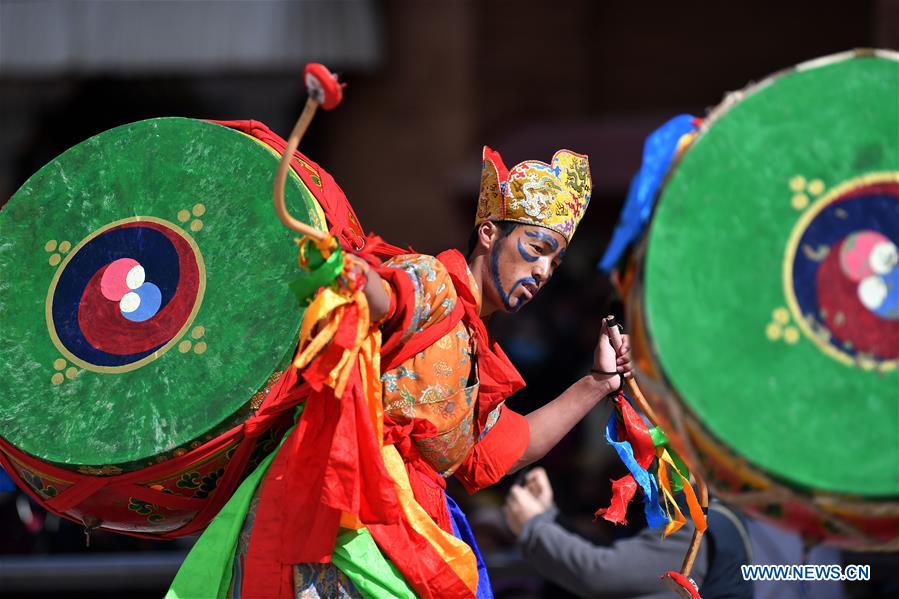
[{"x": 634, "y": 431}]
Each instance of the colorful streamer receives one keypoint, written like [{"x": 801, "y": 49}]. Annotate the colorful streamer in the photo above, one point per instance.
[{"x": 638, "y": 448}]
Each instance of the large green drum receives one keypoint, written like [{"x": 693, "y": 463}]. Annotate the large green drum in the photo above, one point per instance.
[
  {"x": 766, "y": 299},
  {"x": 145, "y": 312}
]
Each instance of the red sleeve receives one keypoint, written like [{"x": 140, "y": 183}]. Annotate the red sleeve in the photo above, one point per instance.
[{"x": 492, "y": 457}]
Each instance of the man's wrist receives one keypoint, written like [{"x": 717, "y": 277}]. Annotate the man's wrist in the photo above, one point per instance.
[{"x": 601, "y": 384}]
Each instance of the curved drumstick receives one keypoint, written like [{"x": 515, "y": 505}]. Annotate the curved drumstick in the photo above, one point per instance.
[
  {"x": 326, "y": 91},
  {"x": 690, "y": 557}
]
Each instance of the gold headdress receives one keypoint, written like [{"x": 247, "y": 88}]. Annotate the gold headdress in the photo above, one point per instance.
[{"x": 553, "y": 195}]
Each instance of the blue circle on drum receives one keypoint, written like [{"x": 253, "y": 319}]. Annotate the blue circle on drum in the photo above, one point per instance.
[{"x": 150, "y": 299}]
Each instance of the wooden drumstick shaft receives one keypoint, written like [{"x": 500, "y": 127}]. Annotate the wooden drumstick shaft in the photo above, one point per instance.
[
  {"x": 293, "y": 142},
  {"x": 693, "y": 550}
]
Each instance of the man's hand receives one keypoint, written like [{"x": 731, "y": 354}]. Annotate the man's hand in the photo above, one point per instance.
[
  {"x": 520, "y": 507},
  {"x": 551, "y": 422},
  {"x": 607, "y": 358},
  {"x": 537, "y": 483},
  {"x": 378, "y": 300},
  {"x": 622, "y": 345}
]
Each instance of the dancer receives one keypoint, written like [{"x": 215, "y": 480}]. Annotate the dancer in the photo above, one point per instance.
[{"x": 442, "y": 394}]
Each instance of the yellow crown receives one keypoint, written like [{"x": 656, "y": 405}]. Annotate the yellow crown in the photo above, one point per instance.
[{"x": 552, "y": 195}]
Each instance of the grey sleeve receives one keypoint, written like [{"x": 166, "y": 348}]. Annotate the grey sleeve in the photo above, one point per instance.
[{"x": 628, "y": 568}]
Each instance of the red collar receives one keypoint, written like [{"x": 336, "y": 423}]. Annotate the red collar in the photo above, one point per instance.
[{"x": 498, "y": 377}]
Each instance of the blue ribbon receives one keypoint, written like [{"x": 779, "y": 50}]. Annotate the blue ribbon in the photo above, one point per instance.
[
  {"x": 655, "y": 515},
  {"x": 658, "y": 152},
  {"x": 6, "y": 483},
  {"x": 462, "y": 531}
]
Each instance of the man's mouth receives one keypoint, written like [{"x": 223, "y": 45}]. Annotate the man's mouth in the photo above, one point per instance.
[{"x": 530, "y": 289}]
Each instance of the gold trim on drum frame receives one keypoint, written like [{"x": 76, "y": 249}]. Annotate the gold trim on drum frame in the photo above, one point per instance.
[
  {"x": 790, "y": 255},
  {"x": 201, "y": 290}
]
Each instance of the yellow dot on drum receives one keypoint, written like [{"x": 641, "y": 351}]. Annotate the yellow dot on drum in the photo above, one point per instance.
[
  {"x": 773, "y": 331},
  {"x": 197, "y": 332},
  {"x": 196, "y": 225},
  {"x": 200, "y": 347},
  {"x": 867, "y": 364},
  {"x": 797, "y": 183},
  {"x": 71, "y": 372},
  {"x": 50, "y": 245},
  {"x": 57, "y": 378},
  {"x": 184, "y": 346},
  {"x": 799, "y": 201},
  {"x": 59, "y": 364},
  {"x": 815, "y": 186},
  {"x": 55, "y": 259},
  {"x": 791, "y": 335},
  {"x": 65, "y": 246},
  {"x": 183, "y": 216},
  {"x": 199, "y": 210},
  {"x": 781, "y": 315}
]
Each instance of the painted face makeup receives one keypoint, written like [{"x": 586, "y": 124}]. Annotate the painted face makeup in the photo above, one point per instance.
[
  {"x": 521, "y": 263},
  {"x": 540, "y": 236}
]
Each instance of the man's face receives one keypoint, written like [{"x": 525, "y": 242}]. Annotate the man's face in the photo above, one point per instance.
[{"x": 522, "y": 262}]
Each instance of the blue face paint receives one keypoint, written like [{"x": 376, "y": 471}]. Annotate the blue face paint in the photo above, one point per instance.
[
  {"x": 549, "y": 240},
  {"x": 506, "y": 297},
  {"x": 524, "y": 253},
  {"x": 553, "y": 244},
  {"x": 541, "y": 236}
]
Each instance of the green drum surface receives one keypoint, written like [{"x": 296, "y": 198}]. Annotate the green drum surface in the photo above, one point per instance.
[
  {"x": 771, "y": 276},
  {"x": 143, "y": 295}
]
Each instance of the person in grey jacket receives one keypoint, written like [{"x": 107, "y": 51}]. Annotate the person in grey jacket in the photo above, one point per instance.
[{"x": 628, "y": 568}]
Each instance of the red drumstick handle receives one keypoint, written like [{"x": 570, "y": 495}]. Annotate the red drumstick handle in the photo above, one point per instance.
[{"x": 324, "y": 90}]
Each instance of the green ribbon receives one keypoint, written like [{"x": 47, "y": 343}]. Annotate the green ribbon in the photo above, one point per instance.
[
  {"x": 660, "y": 439},
  {"x": 207, "y": 570},
  {"x": 320, "y": 273},
  {"x": 357, "y": 555},
  {"x": 208, "y": 566}
]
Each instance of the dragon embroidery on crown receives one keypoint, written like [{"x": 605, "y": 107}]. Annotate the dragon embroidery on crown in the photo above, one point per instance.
[{"x": 553, "y": 196}]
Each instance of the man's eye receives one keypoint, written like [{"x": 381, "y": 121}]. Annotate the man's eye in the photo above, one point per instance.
[{"x": 537, "y": 248}]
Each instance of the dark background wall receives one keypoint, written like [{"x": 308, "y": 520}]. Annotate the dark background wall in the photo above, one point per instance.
[{"x": 442, "y": 79}]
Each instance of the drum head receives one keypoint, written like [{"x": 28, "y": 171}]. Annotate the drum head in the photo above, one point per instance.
[
  {"x": 771, "y": 276},
  {"x": 144, "y": 295}
]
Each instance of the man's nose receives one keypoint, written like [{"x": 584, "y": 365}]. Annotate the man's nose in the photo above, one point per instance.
[{"x": 540, "y": 271}]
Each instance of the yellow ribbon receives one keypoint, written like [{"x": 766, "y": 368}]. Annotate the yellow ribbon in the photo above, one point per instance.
[
  {"x": 455, "y": 552},
  {"x": 695, "y": 509},
  {"x": 320, "y": 324}
]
